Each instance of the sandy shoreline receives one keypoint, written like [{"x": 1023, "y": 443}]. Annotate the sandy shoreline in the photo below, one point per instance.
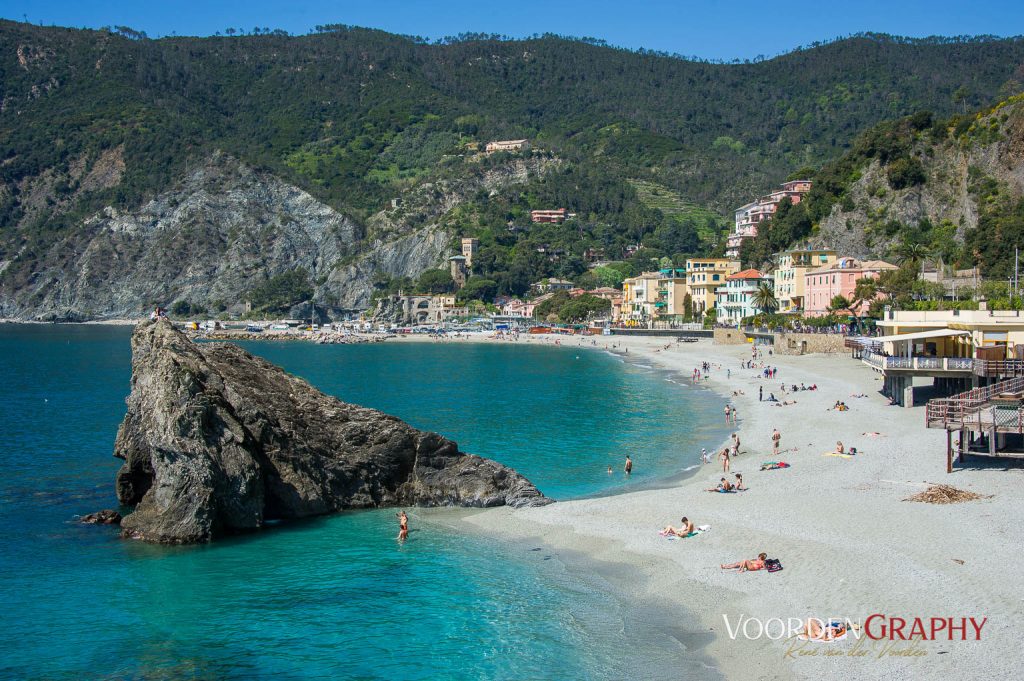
[{"x": 849, "y": 544}]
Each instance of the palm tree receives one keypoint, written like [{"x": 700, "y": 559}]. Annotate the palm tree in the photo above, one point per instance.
[
  {"x": 764, "y": 299},
  {"x": 912, "y": 253}
]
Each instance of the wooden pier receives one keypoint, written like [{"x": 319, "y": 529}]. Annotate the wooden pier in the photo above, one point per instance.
[{"x": 993, "y": 413}]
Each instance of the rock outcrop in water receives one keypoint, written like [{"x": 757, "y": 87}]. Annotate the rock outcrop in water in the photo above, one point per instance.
[{"x": 217, "y": 441}]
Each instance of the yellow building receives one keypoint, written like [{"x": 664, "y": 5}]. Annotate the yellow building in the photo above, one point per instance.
[
  {"x": 789, "y": 275},
  {"x": 955, "y": 349},
  {"x": 992, "y": 334},
  {"x": 703, "y": 277},
  {"x": 639, "y": 295},
  {"x": 672, "y": 290}
]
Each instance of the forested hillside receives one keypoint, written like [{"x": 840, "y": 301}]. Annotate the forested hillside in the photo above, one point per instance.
[
  {"x": 943, "y": 192},
  {"x": 643, "y": 147}
]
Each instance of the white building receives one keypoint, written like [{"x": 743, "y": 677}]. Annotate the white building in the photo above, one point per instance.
[{"x": 735, "y": 300}]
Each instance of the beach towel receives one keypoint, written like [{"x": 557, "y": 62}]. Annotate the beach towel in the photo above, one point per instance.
[
  {"x": 837, "y": 454},
  {"x": 700, "y": 530},
  {"x": 772, "y": 465}
]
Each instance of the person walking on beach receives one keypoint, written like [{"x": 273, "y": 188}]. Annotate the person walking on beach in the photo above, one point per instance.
[
  {"x": 403, "y": 525},
  {"x": 629, "y": 465},
  {"x": 760, "y": 393},
  {"x": 733, "y": 415},
  {"x": 776, "y": 437},
  {"x": 728, "y": 413},
  {"x": 724, "y": 456}
]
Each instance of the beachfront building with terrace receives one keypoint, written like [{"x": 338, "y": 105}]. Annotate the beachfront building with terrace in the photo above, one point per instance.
[
  {"x": 703, "y": 278},
  {"x": 735, "y": 300},
  {"x": 749, "y": 216},
  {"x": 953, "y": 350},
  {"x": 788, "y": 277},
  {"x": 839, "y": 278}
]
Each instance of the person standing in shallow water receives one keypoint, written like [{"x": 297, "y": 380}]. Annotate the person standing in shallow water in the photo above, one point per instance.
[
  {"x": 403, "y": 525},
  {"x": 629, "y": 465}
]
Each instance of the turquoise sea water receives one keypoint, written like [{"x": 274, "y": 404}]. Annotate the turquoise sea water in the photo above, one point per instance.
[{"x": 333, "y": 597}]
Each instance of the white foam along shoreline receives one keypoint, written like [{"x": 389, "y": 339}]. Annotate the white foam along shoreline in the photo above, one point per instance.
[{"x": 850, "y": 545}]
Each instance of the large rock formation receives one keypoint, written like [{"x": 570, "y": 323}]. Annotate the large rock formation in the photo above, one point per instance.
[{"x": 218, "y": 441}]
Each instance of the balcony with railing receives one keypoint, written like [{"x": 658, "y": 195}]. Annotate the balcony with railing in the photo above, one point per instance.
[
  {"x": 980, "y": 409},
  {"x": 923, "y": 364}
]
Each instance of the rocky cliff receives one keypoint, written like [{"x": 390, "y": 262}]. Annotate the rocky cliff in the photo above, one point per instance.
[
  {"x": 224, "y": 229},
  {"x": 959, "y": 173},
  {"x": 217, "y": 441}
]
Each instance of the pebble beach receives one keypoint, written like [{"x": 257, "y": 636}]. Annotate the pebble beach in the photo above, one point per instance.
[{"x": 850, "y": 542}]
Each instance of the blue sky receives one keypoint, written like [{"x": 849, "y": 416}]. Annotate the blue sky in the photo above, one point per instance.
[{"x": 710, "y": 29}]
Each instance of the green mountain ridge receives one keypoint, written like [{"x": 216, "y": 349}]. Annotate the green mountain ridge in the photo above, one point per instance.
[
  {"x": 650, "y": 148},
  {"x": 947, "y": 191}
]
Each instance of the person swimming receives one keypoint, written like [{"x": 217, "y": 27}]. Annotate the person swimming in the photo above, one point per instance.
[{"x": 403, "y": 525}]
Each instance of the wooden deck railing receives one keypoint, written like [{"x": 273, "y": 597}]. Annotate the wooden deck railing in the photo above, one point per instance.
[
  {"x": 999, "y": 367},
  {"x": 973, "y": 409}
]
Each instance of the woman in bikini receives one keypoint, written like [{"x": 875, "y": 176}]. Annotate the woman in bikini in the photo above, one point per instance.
[
  {"x": 748, "y": 565},
  {"x": 403, "y": 525}
]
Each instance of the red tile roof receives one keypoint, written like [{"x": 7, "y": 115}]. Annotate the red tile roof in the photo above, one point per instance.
[{"x": 747, "y": 274}]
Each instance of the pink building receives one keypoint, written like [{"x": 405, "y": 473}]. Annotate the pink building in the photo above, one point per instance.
[
  {"x": 518, "y": 308},
  {"x": 839, "y": 279},
  {"x": 751, "y": 215},
  {"x": 556, "y": 216}
]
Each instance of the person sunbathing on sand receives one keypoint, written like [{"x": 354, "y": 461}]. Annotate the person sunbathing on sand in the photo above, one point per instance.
[
  {"x": 684, "y": 530},
  {"x": 814, "y": 631},
  {"x": 748, "y": 565},
  {"x": 739, "y": 483},
  {"x": 873, "y": 434},
  {"x": 839, "y": 448},
  {"x": 723, "y": 486}
]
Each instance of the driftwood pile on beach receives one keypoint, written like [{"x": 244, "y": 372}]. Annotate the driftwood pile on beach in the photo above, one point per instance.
[{"x": 945, "y": 494}]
